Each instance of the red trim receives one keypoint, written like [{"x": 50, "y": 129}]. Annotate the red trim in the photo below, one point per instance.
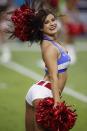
[
  {"x": 48, "y": 85},
  {"x": 41, "y": 83}
]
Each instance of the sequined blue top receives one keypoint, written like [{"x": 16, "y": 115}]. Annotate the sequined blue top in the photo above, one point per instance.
[{"x": 64, "y": 61}]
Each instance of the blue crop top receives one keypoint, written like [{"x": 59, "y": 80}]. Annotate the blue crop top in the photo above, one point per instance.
[{"x": 64, "y": 60}]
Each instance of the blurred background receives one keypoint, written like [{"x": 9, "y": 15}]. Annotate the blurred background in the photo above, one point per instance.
[{"x": 21, "y": 65}]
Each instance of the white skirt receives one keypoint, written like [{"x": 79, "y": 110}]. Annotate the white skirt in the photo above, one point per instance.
[{"x": 39, "y": 91}]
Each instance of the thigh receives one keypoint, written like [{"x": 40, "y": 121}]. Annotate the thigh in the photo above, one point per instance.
[{"x": 29, "y": 117}]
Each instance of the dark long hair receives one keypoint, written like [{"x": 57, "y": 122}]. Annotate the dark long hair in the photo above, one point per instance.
[{"x": 28, "y": 23}]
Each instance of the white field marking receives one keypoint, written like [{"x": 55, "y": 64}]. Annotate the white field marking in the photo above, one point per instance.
[
  {"x": 3, "y": 85},
  {"x": 22, "y": 70},
  {"x": 29, "y": 73},
  {"x": 75, "y": 94}
]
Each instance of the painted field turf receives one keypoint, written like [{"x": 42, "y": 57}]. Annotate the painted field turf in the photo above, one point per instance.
[{"x": 14, "y": 86}]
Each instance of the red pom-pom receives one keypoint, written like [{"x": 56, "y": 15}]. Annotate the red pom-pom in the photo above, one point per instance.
[
  {"x": 22, "y": 18},
  {"x": 61, "y": 118},
  {"x": 74, "y": 29}
]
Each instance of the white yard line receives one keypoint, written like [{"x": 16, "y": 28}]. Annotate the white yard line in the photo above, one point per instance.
[
  {"x": 29, "y": 73},
  {"x": 75, "y": 94},
  {"x": 22, "y": 70}
]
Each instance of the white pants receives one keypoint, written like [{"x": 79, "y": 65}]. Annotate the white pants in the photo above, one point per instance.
[{"x": 38, "y": 92}]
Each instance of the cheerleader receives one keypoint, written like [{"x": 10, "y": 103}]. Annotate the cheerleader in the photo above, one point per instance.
[{"x": 42, "y": 27}]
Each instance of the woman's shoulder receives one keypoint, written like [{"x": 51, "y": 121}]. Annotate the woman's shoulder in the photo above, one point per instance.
[
  {"x": 48, "y": 48},
  {"x": 46, "y": 42},
  {"x": 47, "y": 45}
]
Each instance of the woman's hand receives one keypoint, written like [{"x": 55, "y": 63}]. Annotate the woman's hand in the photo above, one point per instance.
[{"x": 56, "y": 102}]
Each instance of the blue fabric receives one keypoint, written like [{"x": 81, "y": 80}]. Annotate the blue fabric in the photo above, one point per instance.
[
  {"x": 64, "y": 60},
  {"x": 59, "y": 71}
]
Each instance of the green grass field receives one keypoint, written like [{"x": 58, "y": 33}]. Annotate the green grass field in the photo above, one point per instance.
[{"x": 14, "y": 86}]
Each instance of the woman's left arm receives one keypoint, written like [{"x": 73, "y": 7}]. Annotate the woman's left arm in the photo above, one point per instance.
[{"x": 50, "y": 57}]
